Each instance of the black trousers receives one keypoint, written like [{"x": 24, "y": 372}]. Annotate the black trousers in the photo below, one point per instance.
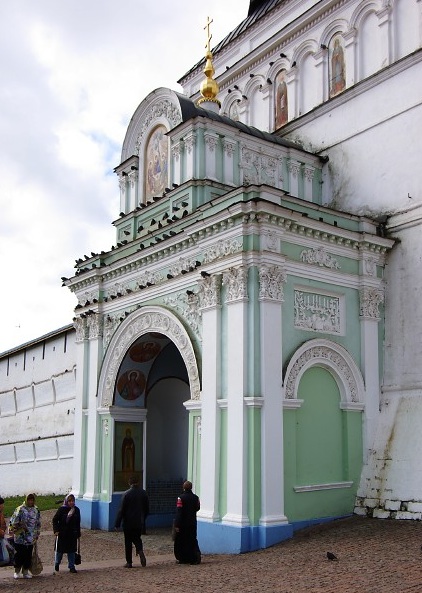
[
  {"x": 23, "y": 556},
  {"x": 132, "y": 536}
]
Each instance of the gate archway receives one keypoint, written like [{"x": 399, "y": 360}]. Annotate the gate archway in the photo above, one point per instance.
[{"x": 148, "y": 373}]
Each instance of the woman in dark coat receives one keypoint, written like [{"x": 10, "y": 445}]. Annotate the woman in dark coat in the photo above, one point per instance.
[{"x": 67, "y": 529}]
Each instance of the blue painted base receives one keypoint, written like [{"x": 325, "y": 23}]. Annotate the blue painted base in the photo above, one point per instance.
[
  {"x": 213, "y": 538},
  {"x": 218, "y": 538},
  {"x": 297, "y": 525},
  {"x": 96, "y": 514}
]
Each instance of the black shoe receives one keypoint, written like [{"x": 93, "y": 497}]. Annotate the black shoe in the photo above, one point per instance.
[
  {"x": 56, "y": 567},
  {"x": 73, "y": 569},
  {"x": 128, "y": 565},
  {"x": 142, "y": 558}
]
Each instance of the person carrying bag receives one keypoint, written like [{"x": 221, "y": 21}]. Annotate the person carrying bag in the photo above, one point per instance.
[
  {"x": 67, "y": 529},
  {"x": 36, "y": 566},
  {"x": 25, "y": 524}
]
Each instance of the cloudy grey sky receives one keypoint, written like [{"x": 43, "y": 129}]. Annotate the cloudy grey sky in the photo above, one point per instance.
[{"x": 72, "y": 72}]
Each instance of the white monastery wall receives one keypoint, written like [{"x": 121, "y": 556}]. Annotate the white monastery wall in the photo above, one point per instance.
[
  {"x": 365, "y": 137},
  {"x": 391, "y": 484},
  {"x": 37, "y": 404},
  {"x": 403, "y": 345}
]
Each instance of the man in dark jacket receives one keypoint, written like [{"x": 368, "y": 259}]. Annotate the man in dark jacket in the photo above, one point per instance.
[
  {"x": 186, "y": 548},
  {"x": 133, "y": 511}
]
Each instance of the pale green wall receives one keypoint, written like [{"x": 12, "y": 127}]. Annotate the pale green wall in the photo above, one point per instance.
[
  {"x": 223, "y": 463},
  {"x": 254, "y": 465},
  {"x": 194, "y": 470},
  {"x": 106, "y": 463},
  {"x": 322, "y": 444}
]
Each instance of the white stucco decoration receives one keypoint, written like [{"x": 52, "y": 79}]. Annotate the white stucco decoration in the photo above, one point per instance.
[
  {"x": 161, "y": 106},
  {"x": 336, "y": 360},
  {"x": 143, "y": 321}
]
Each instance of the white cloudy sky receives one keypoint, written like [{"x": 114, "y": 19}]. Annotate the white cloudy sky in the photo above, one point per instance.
[{"x": 72, "y": 72}]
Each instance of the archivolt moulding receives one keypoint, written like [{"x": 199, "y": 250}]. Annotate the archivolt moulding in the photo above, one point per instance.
[
  {"x": 336, "y": 360},
  {"x": 143, "y": 321}
]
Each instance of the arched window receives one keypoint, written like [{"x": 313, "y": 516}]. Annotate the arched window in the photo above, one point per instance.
[
  {"x": 337, "y": 65},
  {"x": 156, "y": 163},
  {"x": 234, "y": 112},
  {"x": 281, "y": 106}
]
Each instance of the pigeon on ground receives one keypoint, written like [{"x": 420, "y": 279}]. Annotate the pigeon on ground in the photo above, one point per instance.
[{"x": 331, "y": 556}]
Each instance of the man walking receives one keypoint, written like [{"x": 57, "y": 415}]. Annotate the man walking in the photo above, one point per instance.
[{"x": 133, "y": 511}]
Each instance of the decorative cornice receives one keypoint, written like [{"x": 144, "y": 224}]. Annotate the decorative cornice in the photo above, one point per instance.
[{"x": 309, "y": 228}]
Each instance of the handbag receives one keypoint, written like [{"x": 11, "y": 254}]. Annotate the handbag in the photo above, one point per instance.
[
  {"x": 4, "y": 553},
  {"x": 78, "y": 558},
  {"x": 36, "y": 567}
]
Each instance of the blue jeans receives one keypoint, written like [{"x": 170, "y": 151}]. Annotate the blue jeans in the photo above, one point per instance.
[{"x": 70, "y": 558}]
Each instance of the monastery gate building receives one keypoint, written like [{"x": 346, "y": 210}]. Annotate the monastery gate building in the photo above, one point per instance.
[{"x": 251, "y": 330}]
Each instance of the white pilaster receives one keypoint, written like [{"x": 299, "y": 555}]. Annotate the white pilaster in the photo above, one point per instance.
[
  {"x": 211, "y": 143},
  {"x": 293, "y": 168},
  {"x": 93, "y": 437},
  {"x": 271, "y": 280},
  {"x": 292, "y": 93},
  {"x": 322, "y": 75},
  {"x": 350, "y": 57},
  {"x": 133, "y": 178},
  {"x": 123, "y": 191},
  {"x": 308, "y": 176},
  {"x": 370, "y": 298},
  {"x": 176, "y": 169},
  {"x": 80, "y": 404},
  {"x": 236, "y": 281},
  {"x": 229, "y": 147},
  {"x": 384, "y": 24},
  {"x": 211, "y": 372},
  {"x": 190, "y": 155}
]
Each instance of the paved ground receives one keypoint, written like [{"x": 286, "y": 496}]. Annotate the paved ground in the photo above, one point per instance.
[{"x": 374, "y": 556}]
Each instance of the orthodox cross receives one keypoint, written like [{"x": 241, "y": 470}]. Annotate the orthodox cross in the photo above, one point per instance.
[{"x": 209, "y": 36}]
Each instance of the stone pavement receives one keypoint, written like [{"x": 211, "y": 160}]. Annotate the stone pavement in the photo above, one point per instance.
[{"x": 374, "y": 556}]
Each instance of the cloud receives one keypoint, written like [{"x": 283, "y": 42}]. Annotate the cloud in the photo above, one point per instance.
[{"x": 73, "y": 73}]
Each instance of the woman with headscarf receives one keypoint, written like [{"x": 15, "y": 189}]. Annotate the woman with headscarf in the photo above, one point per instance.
[
  {"x": 67, "y": 529},
  {"x": 25, "y": 524}
]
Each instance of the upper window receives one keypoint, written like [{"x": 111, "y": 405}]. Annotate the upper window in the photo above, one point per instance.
[
  {"x": 281, "y": 103},
  {"x": 337, "y": 66},
  {"x": 233, "y": 111}
]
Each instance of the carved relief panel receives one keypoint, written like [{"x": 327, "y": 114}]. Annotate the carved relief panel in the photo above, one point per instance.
[{"x": 318, "y": 312}]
